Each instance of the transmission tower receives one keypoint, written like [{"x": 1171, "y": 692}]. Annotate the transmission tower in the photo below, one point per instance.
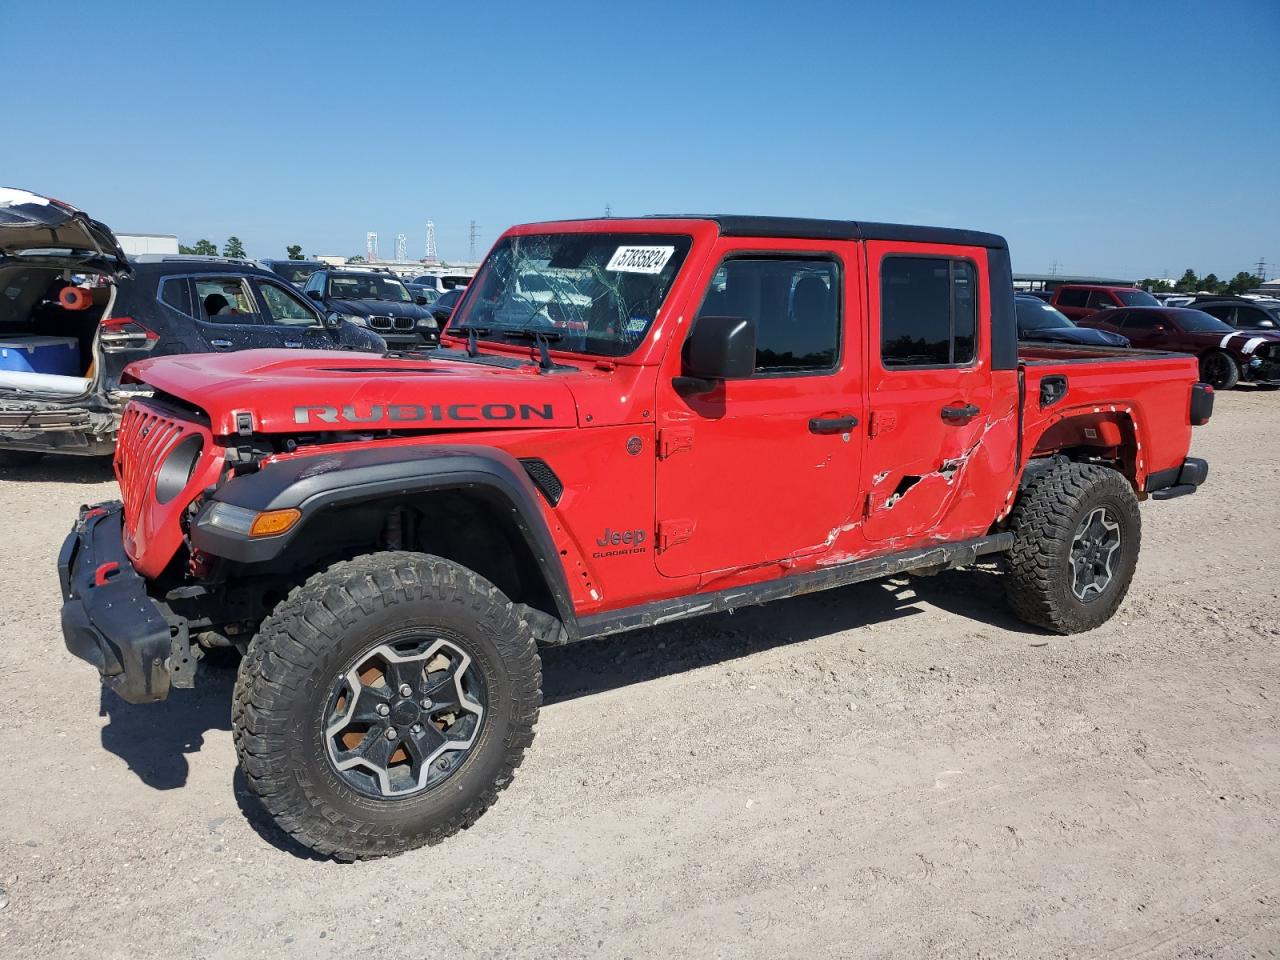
[
  {"x": 608, "y": 210},
  {"x": 402, "y": 248},
  {"x": 1262, "y": 269},
  {"x": 371, "y": 246},
  {"x": 475, "y": 232},
  {"x": 431, "y": 255}
]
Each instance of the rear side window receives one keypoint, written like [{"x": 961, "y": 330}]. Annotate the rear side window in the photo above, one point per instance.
[
  {"x": 1134, "y": 320},
  {"x": 175, "y": 292},
  {"x": 794, "y": 303},
  {"x": 1068, "y": 297},
  {"x": 225, "y": 300},
  {"x": 928, "y": 311}
]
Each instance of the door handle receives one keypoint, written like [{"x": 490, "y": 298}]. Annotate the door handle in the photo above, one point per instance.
[
  {"x": 967, "y": 412},
  {"x": 832, "y": 424},
  {"x": 220, "y": 343}
]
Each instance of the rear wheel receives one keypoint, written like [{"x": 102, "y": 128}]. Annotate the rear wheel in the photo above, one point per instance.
[
  {"x": 20, "y": 458},
  {"x": 1218, "y": 369},
  {"x": 385, "y": 703},
  {"x": 1078, "y": 532}
]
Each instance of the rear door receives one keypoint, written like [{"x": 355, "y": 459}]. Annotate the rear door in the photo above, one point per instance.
[
  {"x": 1143, "y": 328},
  {"x": 1071, "y": 301},
  {"x": 229, "y": 315},
  {"x": 929, "y": 381},
  {"x": 767, "y": 468}
]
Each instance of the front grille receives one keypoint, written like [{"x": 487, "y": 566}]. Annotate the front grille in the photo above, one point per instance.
[
  {"x": 146, "y": 437},
  {"x": 391, "y": 323}
]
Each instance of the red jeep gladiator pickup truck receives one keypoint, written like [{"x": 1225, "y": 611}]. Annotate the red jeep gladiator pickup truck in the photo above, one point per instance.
[{"x": 630, "y": 421}]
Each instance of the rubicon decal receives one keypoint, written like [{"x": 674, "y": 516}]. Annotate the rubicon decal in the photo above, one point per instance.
[
  {"x": 623, "y": 542},
  {"x": 424, "y": 413}
]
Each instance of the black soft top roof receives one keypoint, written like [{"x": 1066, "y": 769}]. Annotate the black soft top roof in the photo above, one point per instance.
[{"x": 738, "y": 225}]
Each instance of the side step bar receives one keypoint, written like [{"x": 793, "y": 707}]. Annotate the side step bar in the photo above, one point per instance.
[{"x": 942, "y": 556}]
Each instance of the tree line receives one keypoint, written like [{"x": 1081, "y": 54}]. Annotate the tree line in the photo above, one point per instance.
[
  {"x": 1242, "y": 282},
  {"x": 232, "y": 248}
]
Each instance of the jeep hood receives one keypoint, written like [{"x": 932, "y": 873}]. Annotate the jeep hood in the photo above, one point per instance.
[
  {"x": 38, "y": 228},
  {"x": 310, "y": 391}
]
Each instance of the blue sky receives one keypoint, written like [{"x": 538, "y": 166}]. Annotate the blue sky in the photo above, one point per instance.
[{"x": 1112, "y": 138}]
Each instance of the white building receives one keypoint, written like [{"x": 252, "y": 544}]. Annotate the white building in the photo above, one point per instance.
[{"x": 138, "y": 243}]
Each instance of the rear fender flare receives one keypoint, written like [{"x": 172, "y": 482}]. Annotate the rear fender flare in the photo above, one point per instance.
[
  {"x": 1110, "y": 426},
  {"x": 315, "y": 483}
]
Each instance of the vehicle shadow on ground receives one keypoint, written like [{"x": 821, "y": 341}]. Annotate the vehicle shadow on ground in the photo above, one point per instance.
[
  {"x": 154, "y": 739},
  {"x": 596, "y": 666},
  {"x": 62, "y": 470}
]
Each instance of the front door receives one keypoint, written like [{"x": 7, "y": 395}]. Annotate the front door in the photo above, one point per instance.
[
  {"x": 929, "y": 381},
  {"x": 229, "y": 315},
  {"x": 293, "y": 321},
  {"x": 766, "y": 469}
]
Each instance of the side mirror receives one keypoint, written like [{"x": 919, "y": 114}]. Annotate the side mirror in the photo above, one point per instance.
[
  {"x": 442, "y": 315},
  {"x": 420, "y": 300},
  {"x": 718, "y": 348},
  {"x": 333, "y": 321}
]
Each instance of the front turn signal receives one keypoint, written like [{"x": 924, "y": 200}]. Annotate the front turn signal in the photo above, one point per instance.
[{"x": 272, "y": 522}]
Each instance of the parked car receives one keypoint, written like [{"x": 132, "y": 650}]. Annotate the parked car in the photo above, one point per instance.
[
  {"x": 296, "y": 272},
  {"x": 1039, "y": 321},
  {"x": 569, "y": 476},
  {"x": 377, "y": 300},
  {"x": 430, "y": 294},
  {"x": 443, "y": 282},
  {"x": 1078, "y": 300},
  {"x": 1226, "y": 354},
  {"x": 64, "y": 345},
  {"x": 442, "y": 307},
  {"x": 1242, "y": 313}
]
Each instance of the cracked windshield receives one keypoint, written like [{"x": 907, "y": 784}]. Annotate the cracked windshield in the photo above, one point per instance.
[{"x": 589, "y": 293}]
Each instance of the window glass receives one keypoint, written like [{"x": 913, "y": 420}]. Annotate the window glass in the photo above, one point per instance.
[
  {"x": 367, "y": 286},
  {"x": 1197, "y": 321},
  {"x": 1137, "y": 298},
  {"x": 225, "y": 300},
  {"x": 928, "y": 311},
  {"x": 1220, "y": 310},
  {"x": 1251, "y": 318},
  {"x": 1138, "y": 320},
  {"x": 175, "y": 293},
  {"x": 1100, "y": 300},
  {"x": 284, "y": 307},
  {"x": 795, "y": 305},
  {"x": 1072, "y": 297},
  {"x": 315, "y": 284}
]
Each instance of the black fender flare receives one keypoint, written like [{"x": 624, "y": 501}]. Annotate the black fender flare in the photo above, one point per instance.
[{"x": 318, "y": 482}]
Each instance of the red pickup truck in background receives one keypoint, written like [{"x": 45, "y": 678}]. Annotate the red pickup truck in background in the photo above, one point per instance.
[
  {"x": 1078, "y": 300},
  {"x": 630, "y": 422}
]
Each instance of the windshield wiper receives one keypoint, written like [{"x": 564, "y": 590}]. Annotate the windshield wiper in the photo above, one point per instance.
[
  {"x": 542, "y": 336},
  {"x": 472, "y": 331}
]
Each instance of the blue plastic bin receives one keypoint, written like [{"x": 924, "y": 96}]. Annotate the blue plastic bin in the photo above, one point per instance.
[{"x": 60, "y": 355}]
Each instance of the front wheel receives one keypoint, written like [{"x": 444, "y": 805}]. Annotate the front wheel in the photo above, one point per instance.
[
  {"x": 1218, "y": 369},
  {"x": 1078, "y": 531},
  {"x": 385, "y": 703}
]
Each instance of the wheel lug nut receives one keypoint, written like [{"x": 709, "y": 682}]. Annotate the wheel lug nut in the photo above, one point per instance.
[
  {"x": 405, "y": 690},
  {"x": 427, "y": 703},
  {"x": 383, "y": 709},
  {"x": 416, "y": 728},
  {"x": 391, "y": 733}
]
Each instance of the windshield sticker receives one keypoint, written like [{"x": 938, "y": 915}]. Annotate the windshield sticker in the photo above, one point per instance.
[
  {"x": 639, "y": 259},
  {"x": 637, "y": 324}
]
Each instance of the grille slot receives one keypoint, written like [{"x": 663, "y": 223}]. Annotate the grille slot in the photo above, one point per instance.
[{"x": 145, "y": 439}]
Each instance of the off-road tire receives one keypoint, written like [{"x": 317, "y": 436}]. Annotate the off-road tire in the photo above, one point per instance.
[
  {"x": 1048, "y": 514},
  {"x": 1219, "y": 369},
  {"x": 16, "y": 459},
  {"x": 306, "y": 644}
]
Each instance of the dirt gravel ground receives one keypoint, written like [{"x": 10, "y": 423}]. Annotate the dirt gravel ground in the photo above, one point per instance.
[{"x": 889, "y": 770}]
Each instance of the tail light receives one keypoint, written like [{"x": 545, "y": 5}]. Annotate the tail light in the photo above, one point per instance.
[
  {"x": 125, "y": 333},
  {"x": 1201, "y": 404}
]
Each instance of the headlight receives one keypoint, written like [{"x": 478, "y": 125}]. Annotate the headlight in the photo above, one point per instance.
[
  {"x": 427, "y": 323},
  {"x": 353, "y": 318},
  {"x": 176, "y": 469}
]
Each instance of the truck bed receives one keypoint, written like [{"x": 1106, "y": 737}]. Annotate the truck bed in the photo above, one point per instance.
[{"x": 1137, "y": 402}]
